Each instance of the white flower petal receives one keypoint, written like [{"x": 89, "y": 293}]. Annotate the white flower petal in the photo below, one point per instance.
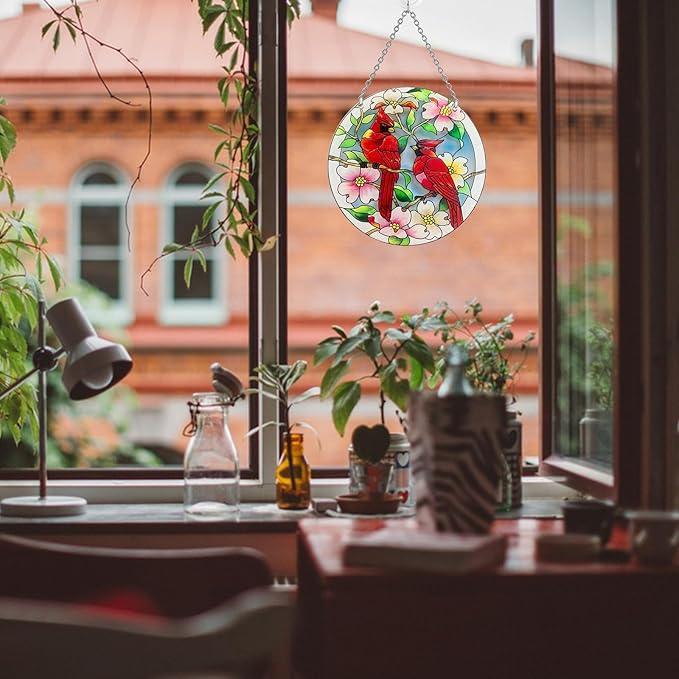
[
  {"x": 425, "y": 208},
  {"x": 442, "y": 218}
]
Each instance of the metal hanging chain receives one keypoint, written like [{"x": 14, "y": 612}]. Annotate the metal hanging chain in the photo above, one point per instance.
[{"x": 409, "y": 12}]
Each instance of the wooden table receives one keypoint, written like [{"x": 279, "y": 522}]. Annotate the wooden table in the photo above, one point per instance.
[{"x": 524, "y": 619}]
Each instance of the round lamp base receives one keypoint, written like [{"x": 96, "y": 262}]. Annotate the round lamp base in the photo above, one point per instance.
[{"x": 41, "y": 507}]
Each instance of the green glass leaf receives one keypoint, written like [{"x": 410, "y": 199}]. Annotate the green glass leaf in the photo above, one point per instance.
[
  {"x": 394, "y": 240},
  {"x": 356, "y": 155},
  {"x": 443, "y": 205},
  {"x": 406, "y": 178},
  {"x": 361, "y": 213},
  {"x": 465, "y": 189},
  {"x": 403, "y": 194},
  {"x": 340, "y": 130},
  {"x": 368, "y": 119},
  {"x": 348, "y": 143},
  {"x": 402, "y": 142},
  {"x": 420, "y": 93},
  {"x": 410, "y": 120},
  {"x": 429, "y": 127},
  {"x": 458, "y": 130}
]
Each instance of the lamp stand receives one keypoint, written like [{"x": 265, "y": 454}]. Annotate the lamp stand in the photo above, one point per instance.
[{"x": 44, "y": 359}]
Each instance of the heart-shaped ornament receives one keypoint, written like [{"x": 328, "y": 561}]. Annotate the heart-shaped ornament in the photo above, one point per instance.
[{"x": 370, "y": 443}]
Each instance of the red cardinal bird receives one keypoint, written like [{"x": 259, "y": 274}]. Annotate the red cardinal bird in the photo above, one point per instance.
[
  {"x": 433, "y": 174},
  {"x": 381, "y": 148}
]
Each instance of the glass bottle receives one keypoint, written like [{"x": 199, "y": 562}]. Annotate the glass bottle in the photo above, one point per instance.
[
  {"x": 293, "y": 491},
  {"x": 211, "y": 470}
]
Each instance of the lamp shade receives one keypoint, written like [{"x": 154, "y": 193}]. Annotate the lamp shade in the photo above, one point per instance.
[{"x": 93, "y": 364}]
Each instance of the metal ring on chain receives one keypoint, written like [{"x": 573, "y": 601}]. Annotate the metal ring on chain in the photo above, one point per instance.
[{"x": 409, "y": 12}]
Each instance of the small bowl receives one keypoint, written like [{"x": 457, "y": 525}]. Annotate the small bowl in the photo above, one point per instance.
[
  {"x": 387, "y": 503},
  {"x": 589, "y": 517},
  {"x": 654, "y": 536}
]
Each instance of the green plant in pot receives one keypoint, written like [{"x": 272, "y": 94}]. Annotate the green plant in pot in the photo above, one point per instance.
[
  {"x": 293, "y": 475},
  {"x": 492, "y": 369},
  {"x": 393, "y": 354},
  {"x": 596, "y": 426}
]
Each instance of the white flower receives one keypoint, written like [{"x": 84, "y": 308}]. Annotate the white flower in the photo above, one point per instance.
[
  {"x": 426, "y": 223},
  {"x": 393, "y": 101},
  {"x": 457, "y": 168}
]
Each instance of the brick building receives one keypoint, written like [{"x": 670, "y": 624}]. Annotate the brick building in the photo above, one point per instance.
[{"x": 78, "y": 150}]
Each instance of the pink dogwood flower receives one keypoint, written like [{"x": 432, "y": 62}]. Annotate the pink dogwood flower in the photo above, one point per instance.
[
  {"x": 359, "y": 183},
  {"x": 442, "y": 112},
  {"x": 398, "y": 225}
]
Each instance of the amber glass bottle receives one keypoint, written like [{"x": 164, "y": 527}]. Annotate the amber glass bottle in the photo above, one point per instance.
[{"x": 293, "y": 491}]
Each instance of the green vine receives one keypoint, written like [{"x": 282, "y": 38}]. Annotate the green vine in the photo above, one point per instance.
[{"x": 230, "y": 220}]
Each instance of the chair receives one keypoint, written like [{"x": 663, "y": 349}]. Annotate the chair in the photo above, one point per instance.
[
  {"x": 40, "y": 640},
  {"x": 115, "y": 612}
]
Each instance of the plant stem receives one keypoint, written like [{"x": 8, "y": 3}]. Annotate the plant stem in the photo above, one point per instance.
[{"x": 382, "y": 402}]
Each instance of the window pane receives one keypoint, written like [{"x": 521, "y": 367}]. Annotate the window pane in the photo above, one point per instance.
[
  {"x": 100, "y": 179},
  {"x": 102, "y": 274},
  {"x": 191, "y": 178},
  {"x": 334, "y": 270},
  {"x": 100, "y": 225},
  {"x": 202, "y": 282},
  {"x": 584, "y": 70},
  {"x": 186, "y": 217}
]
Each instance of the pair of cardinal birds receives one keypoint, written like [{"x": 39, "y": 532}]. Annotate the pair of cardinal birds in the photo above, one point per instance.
[{"x": 380, "y": 148}]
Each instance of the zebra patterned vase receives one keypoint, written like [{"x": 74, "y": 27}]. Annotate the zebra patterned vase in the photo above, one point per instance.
[{"x": 456, "y": 446}]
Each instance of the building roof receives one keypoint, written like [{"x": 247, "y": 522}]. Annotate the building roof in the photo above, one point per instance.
[{"x": 165, "y": 37}]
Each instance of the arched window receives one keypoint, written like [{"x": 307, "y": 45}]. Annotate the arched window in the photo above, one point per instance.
[
  {"x": 202, "y": 302},
  {"x": 98, "y": 247}
]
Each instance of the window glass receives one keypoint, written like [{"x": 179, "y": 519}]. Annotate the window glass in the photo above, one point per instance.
[
  {"x": 585, "y": 76},
  {"x": 99, "y": 224},
  {"x": 334, "y": 271}
]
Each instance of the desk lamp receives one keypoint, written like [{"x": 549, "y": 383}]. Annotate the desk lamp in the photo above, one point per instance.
[{"x": 92, "y": 366}]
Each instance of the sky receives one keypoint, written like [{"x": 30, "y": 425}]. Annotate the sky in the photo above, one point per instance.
[{"x": 485, "y": 29}]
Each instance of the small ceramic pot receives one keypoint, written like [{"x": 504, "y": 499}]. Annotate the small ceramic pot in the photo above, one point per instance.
[
  {"x": 371, "y": 479},
  {"x": 654, "y": 536},
  {"x": 591, "y": 517}
]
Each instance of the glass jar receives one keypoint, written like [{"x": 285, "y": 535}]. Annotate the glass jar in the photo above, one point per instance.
[
  {"x": 293, "y": 490},
  {"x": 211, "y": 470}
]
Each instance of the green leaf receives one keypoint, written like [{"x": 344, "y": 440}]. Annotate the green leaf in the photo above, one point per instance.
[
  {"x": 465, "y": 189},
  {"x": 416, "y": 375},
  {"x": 354, "y": 119},
  {"x": 46, "y": 27},
  {"x": 344, "y": 400},
  {"x": 348, "y": 143},
  {"x": 56, "y": 39},
  {"x": 8, "y": 137},
  {"x": 429, "y": 127},
  {"x": 339, "y": 131},
  {"x": 395, "y": 240},
  {"x": 443, "y": 205},
  {"x": 420, "y": 93},
  {"x": 248, "y": 188},
  {"x": 410, "y": 120},
  {"x": 332, "y": 376},
  {"x": 326, "y": 349},
  {"x": 383, "y": 317},
  {"x": 339, "y": 330},
  {"x": 188, "y": 270},
  {"x": 367, "y": 119},
  {"x": 406, "y": 178},
  {"x": 402, "y": 142},
  {"x": 71, "y": 30},
  {"x": 348, "y": 345},
  {"x": 361, "y": 213},
  {"x": 55, "y": 272},
  {"x": 395, "y": 388},
  {"x": 418, "y": 349},
  {"x": 403, "y": 194},
  {"x": 398, "y": 335}
]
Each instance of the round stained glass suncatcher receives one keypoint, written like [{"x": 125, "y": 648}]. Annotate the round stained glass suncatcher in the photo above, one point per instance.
[{"x": 406, "y": 166}]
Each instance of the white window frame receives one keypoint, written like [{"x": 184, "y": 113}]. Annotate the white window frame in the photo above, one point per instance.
[
  {"x": 189, "y": 311},
  {"x": 119, "y": 312}
]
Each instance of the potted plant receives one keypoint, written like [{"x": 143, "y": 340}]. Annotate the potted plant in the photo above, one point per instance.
[
  {"x": 399, "y": 360},
  {"x": 491, "y": 370},
  {"x": 293, "y": 475},
  {"x": 596, "y": 426}
]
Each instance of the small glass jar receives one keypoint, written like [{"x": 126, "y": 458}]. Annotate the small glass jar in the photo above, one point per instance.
[
  {"x": 293, "y": 490},
  {"x": 211, "y": 470}
]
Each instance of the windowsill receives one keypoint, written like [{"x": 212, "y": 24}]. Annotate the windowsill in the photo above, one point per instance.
[{"x": 163, "y": 519}]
